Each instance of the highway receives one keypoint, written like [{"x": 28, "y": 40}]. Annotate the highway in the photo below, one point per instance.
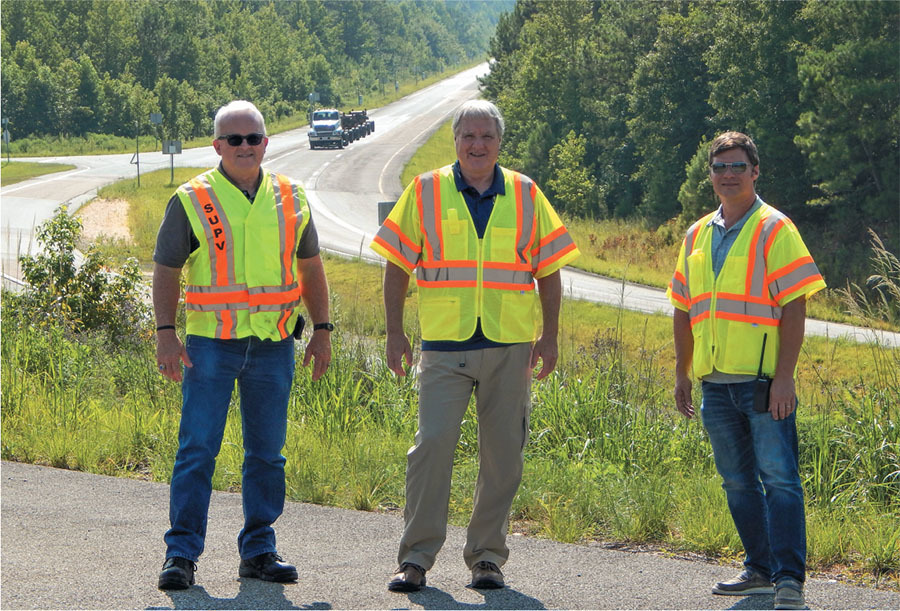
[{"x": 343, "y": 188}]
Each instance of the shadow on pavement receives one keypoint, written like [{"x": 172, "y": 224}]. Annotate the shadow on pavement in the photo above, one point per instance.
[
  {"x": 506, "y": 598},
  {"x": 756, "y": 601},
  {"x": 253, "y": 594}
]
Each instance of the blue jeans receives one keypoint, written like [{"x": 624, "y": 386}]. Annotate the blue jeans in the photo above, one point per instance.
[
  {"x": 757, "y": 457},
  {"x": 264, "y": 371}
]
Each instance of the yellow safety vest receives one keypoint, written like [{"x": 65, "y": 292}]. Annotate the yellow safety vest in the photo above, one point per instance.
[
  {"x": 767, "y": 267},
  {"x": 462, "y": 278},
  {"x": 244, "y": 279}
]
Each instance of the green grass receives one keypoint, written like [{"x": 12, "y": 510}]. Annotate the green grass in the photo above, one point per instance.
[
  {"x": 609, "y": 458},
  {"x": 17, "y": 171}
]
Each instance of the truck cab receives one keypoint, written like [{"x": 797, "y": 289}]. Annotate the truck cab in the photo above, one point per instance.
[{"x": 325, "y": 129}]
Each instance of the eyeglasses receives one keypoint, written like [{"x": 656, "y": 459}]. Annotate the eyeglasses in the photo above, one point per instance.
[
  {"x": 237, "y": 139},
  {"x": 737, "y": 167}
]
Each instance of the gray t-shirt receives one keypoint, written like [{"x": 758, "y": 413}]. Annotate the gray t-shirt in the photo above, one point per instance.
[{"x": 176, "y": 240}]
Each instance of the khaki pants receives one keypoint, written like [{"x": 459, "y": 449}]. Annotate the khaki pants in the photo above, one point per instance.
[{"x": 501, "y": 379}]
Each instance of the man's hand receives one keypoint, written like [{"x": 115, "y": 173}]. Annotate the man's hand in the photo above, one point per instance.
[
  {"x": 547, "y": 350},
  {"x": 782, "y": 397},
  {"x": 683, "y": 400},
  {"x": 397, "y": 349},
  {"x": 318, "y": 351},
  {"x": 170, "y": 353}
]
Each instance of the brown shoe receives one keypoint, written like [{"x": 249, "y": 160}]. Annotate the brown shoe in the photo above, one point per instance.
[
  {"x": 408, "y": 578},
  {"x": 486, "y": 576}
]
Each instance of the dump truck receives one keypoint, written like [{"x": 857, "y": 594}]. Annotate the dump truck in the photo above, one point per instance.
[{"x": 331, "y": 128}]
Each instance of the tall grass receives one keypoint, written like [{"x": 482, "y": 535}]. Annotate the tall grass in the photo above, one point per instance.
[{"x": 609, "y": 458}]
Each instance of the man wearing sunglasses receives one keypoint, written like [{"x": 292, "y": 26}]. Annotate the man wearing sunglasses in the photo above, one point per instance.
[
  {"x": 244, "y": 237},
  {"x": 739, "y": 290}
]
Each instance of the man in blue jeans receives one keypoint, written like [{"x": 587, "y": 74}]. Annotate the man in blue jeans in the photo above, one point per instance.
[
  {"x": 250, "y": 254},
  {"x": 739, "y": 290}
]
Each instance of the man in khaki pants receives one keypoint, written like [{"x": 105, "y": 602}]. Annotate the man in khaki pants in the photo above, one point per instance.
[{"x": 477, "y": 236}]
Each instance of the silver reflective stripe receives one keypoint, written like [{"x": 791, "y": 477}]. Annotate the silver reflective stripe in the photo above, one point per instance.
[
  {"x": 430, "y": 213},
  {"x": 199, "y": 288},
  {"x": 446, "y": 274},
  {"x": 758, "y": 281},
  {"x": 216, "y": 307},
  {"x": 389, "y": 236},
  {"x": 526, "y": 230},
  {"x": 507, "y": 276},
  {"x": 793, "y": 278},
  {"x": 700, "y": 307},
  {"x": 680, "y": 289},
  {"x": 262, "y": 290},
  {"x": 689, "y": 241},
  {"x": 746, "y": 308},
  {"x": 274, "y": 307},
  {"x": 551, "y": 248}
]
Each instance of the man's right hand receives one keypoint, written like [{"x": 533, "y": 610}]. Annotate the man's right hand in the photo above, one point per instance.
[
  {"x": 683, "y": 400},
  {"x": 398, "y": 349},
  {"x": 170, "y": 353}
]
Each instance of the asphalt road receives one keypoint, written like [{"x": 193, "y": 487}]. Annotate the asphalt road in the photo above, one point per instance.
[{"x": 72, "y": 540}]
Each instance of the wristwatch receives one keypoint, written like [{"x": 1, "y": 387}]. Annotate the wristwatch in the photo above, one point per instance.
[{"x": 323, "y": 325}]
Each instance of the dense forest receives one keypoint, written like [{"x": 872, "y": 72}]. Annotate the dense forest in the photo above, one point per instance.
[
  {"x": 610, "y": 106},
  {"x": 72, "y": 67}
]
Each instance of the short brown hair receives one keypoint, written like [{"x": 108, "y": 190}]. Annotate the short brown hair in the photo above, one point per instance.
[{"x": 734, "y": 140}]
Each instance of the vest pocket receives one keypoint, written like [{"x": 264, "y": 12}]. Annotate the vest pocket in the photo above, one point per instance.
[
  {"x": 503, "y": 245},
  {"x": 439, "y": 318},
  {"x": 456, "y": 239}
]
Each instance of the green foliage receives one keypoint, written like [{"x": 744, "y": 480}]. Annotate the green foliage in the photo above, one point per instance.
[
  {"x": 100, "y": 66},
  {"x": 647, "y": 83},
  {"x": 573, "y": 188},
  {"x": 80, "y": 296}
]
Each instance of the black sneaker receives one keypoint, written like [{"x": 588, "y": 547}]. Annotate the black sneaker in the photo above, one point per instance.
[
  {"x": 268, "y": 567},
  {"x": 177, "y": 574}
]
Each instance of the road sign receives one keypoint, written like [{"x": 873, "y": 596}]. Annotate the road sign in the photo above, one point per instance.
[
  {"x": 156, "y": 118},
  {"x": 384, "y": 209},
  {"x": 171, "y": 147}
]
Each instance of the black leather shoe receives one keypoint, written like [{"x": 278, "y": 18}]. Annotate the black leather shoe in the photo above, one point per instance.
[
  {"x": 408, "y": 578},
  {"x": 177, "y": 574},
  {"x": 486, "y": 576},
  {"x": 268, "y": 567}
]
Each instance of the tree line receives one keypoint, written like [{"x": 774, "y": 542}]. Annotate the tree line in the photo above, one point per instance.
[
  {"x": 610, "y": 106},
  {"x": 73, "y": 67}
]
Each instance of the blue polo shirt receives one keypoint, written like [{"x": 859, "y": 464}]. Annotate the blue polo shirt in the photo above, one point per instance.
[{"x": 480, "y": 206}]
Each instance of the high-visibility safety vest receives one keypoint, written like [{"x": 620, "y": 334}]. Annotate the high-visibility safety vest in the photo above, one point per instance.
[
  {"x": 462, "y": 278},
  {"x": 767, "y": 267},
  {"x": 244, "y": 279}
]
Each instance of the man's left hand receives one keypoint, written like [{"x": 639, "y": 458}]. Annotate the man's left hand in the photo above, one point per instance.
[
  {"x": 319, "y": 350},
  {"x": 782, "y": 398},
  {"x": 547, "y": 351}
]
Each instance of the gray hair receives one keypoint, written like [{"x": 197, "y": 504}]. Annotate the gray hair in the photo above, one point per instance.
[
  {"x": 237, "y": 107},
  {"x": 478, "y": 109}
]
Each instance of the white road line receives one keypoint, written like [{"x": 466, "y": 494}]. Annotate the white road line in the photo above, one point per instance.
[{"x": 46, "y": 180}]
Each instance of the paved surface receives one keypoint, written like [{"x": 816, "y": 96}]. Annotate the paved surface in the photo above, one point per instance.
[{"x": 73, "y": 540}]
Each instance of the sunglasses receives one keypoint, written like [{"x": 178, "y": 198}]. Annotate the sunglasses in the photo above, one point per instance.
[
  {"x": 737, "y": 167},
  {"x": 237, "y": 139}
]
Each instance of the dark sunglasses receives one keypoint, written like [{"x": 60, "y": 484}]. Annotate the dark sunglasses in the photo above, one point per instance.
[
  {"x": 237, "y": 139},
  {"x": 737, "y": 167}
]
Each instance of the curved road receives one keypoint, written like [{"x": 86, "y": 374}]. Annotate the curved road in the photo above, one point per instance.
[{"x": 343, "y": 187}]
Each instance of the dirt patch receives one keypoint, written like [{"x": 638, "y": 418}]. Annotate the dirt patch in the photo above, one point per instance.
[{"x": 105, "y": 217}]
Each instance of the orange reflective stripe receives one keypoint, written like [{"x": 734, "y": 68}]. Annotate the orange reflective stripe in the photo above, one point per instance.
[
  {"x": 288, "y": 224},
  {"x": 282, "y": 324},
  {"x": 226, "y": 325},
  {"x": 391, "y": 238},
  {"x": 758, "y": 320},
  {"x": 214, "y": 216}
]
